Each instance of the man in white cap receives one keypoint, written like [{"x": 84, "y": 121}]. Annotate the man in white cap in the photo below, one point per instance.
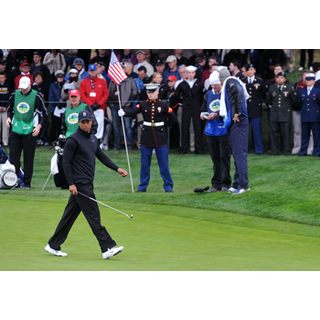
[
  {"x": 309, "y": 102},
  {"x": 233, "y": 109},
  {"x": 172, "y": 69},
  {"x": 156, "y": 115},
  {"x": 26, "y": 113},
  {"x": 217, "y": 136},
  {"x": 191, "y": 91}
]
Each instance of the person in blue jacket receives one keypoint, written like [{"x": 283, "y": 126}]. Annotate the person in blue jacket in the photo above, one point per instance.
[
  {"x": 78, "y": 63},
  {"x": 309, "y": 101},
  {"x": 217, "y": 136}
]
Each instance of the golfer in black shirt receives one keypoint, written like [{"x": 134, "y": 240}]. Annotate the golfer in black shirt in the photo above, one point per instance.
[{"x": 80, "y": 152}]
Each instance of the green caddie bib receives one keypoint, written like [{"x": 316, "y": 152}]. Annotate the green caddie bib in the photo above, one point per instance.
[
  {"x": 23, "y": 112},
  {"x": 71, "y": 118}
]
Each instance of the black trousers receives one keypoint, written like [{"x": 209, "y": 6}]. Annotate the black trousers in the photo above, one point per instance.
[
  {"x": 220, "y": 150},
  {"x": 281, "y": 129},
  {"x": 90, "y": 209},
  {"x": 187, "y": 114},
  {"x": 27, "y": 143}
]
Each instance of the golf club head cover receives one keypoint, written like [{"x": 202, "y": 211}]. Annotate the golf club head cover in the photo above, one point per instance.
[{"x": 200, "y": 189}]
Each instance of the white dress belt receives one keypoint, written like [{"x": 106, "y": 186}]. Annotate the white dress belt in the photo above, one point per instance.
[{"x": 153, "y": 124}]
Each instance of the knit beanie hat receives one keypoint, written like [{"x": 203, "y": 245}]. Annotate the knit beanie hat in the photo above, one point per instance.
[{"x": 224, "y": 74}]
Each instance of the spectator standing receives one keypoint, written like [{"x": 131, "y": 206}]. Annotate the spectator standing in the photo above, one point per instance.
[
  {"x": 128, "y": 94},
  {"x": 69, "y": 56},
  {"x": 37, "y": 65},
  {"x": 94, "y": 92},
  {"x": 5, "y": 93},
  {"x": 309, "y": 100},
  {"x": 172, "y": 69},
  {"x": 303, "y": 59},
  {"x": 127, "y": 56},
  {"x": 24, "y": 71},
  {"x": 103, "y": 55},
  {"x": 269, "y": 59},
  {"x": 257, "y": 89},
  {"x": 140, "y": 55},
  {"x": 73, "y": 82},
  {"x": 280, "y": 99},
  {"x": 57, "y": 105},
  {"x": 212, "y": 60},
  {"x": 79, "y": 65},
  {"x": 13, "y": 60},
  {"x": 234, "y": 54},
  {"x": 191, "y": 91},
  {"x": 9, "y": 74},
  {"x": 54, "y": 60},
  {"x": 234, "y": 68},
  {"x": 178, "y": 53}
]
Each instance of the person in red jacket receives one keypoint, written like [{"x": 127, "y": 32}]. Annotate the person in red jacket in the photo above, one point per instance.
[
  {"x": 94, "y": 92},
  {"x": 24, "y": 71}
]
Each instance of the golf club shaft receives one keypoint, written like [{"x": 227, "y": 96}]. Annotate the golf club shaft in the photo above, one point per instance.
[{"x": 82, "y": 194}]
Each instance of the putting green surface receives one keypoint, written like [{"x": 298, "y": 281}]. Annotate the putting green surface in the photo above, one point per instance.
[{"x": 158, "y": 238}]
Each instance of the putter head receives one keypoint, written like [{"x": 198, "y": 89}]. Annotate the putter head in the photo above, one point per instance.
[{"x": 131, "y": 217}]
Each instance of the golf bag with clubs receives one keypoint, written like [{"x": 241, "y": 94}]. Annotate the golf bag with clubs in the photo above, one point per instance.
[
  {"x": 59, "y": 178},
  {"x": 8, "y": 177}
]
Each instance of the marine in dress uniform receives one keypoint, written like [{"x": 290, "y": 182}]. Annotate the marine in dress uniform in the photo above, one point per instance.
[
  {"x": 257, "y": 89},
  {"x": 280, "y": 99},
  {"x": 155, "y": 113},
  {"x": 309, "y": 101}
]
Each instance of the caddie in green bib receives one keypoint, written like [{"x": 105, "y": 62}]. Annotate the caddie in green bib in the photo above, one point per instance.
[
  {"x": 23, "y": 112},
  {"x": 71, "y": 118}
]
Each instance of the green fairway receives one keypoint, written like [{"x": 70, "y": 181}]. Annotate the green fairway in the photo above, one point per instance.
[{"x": 159, "y": 237}]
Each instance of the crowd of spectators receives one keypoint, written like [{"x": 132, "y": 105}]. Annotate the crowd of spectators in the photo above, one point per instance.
[{"x": 54, "y": 72}]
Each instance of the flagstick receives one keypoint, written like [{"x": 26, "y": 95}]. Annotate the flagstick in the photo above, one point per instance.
[{"x": 125, "y": 140}]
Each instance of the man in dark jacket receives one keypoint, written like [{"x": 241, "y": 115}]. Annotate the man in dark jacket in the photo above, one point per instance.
[
  {"x": 280, "y": 99},
  {"x": 257, "y": 90},
  {"x": 191, "y": 91},
  {"x": 80, "y": 152}
]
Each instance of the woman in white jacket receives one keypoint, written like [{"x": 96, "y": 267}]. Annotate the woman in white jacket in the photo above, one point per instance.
[{"x": 54, "y": 60}]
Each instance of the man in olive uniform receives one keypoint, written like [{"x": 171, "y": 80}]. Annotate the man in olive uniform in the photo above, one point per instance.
[
  {"x": 155, "y": 113},
  {"x": 280, "y": 99},
  {"x": 257, "y": 90},
  {"x": 26, "y": 113}
]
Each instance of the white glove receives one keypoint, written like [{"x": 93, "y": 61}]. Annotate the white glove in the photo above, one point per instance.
[{"x": 121, "y": 113}]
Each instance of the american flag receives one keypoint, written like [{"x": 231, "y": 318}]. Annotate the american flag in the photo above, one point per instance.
[{"x": 115, "y": 71}]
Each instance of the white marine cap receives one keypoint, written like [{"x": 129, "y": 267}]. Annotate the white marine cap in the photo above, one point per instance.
[
  {"x": 151, "y": 87},
  {"x": 214, "y": 78},
  {"x": 191, "y": 68},
  {"x": 24, "y": 82}
]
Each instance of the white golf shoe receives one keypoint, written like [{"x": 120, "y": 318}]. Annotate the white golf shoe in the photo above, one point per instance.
[
  {"x": 111, "y": 252},
  {"x": 55, "y": 252}
]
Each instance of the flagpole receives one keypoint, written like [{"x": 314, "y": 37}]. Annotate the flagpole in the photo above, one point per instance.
[{"x": 125, "y": 140}]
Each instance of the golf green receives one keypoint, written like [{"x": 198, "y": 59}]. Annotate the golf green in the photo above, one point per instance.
[{"x": 159, "y": 237}]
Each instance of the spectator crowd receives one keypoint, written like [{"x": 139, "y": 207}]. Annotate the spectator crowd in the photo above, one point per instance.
[{"x": 184, "y": 78}]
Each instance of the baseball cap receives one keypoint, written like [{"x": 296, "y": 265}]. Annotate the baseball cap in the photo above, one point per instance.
[
  {"x": 25, "y": 64},
  {"x": 214, "y": 78},
  {"x": 171, "y": 58},
  {"x": 92, "y": 67},
  {"x": 85, "y": 115},
  {"x": 74, "y": 93},
  {"x": 172, "y": 78},
  {"x": 24, "y": 82}
]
